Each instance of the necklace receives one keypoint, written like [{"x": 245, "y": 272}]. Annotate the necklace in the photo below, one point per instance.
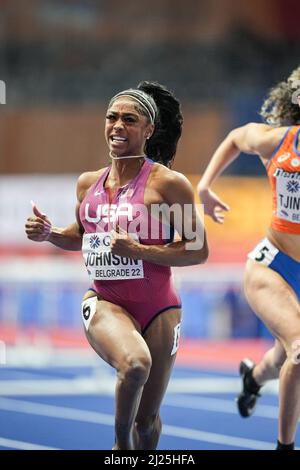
[{"x": 127, "y": 156}]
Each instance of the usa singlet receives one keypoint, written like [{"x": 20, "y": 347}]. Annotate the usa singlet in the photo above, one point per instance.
[{"x": 144, "y": 289}]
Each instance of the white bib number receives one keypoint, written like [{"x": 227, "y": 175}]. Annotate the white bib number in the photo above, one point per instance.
[
  {"x": 264, "y": 252},
  {"x": 88, "y": 310},
  {"x": 288, "y": 198},
  {"x": 176, "y": 338},
  {"x": 102, "y": 264}
]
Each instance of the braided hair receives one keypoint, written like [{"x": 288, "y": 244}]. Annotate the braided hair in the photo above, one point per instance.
[{"x": 162, "y": 145}]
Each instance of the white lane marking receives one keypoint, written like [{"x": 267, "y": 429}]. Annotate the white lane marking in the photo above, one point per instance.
[
  {"x": 106, "y": 385},
  {"x": 21, "y": 445},
  {"x": 215, "y": 438},
  {"x": 106, "y": 419},
  {"x": 217, "y": 405},
  {"x": 78, "y": 386},
  {"x": 53, "y": 411}
]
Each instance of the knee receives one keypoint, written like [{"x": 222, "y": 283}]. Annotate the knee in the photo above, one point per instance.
[
  {"x": 294, "y": 354},
  {"x": 292, "y": 366},
  {"x": 136, "y": 369},
  {"x": 291, "y": 344},
  {"x": 292, "y": 351},
  {"x": 146, "y": 424}
]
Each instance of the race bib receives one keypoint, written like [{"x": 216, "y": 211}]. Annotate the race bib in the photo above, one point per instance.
[
  {"x": 88, "y": 310},
  {"x": 264, "y": 252},
  {"x": 102, "y": 264},
  {"x": 288, "y": 197}
]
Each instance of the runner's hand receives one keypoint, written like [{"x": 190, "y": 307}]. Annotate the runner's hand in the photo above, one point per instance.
[
  {"x": 38, "y": 227},
  {"x": 213, "y": 206},
  {"x": 122, "y": 244}
]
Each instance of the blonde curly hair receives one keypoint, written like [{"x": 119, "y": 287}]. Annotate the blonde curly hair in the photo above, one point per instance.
[{"x": 279, "y": 108}]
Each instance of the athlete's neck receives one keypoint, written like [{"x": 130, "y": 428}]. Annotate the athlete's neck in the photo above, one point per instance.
[
  {"x": 124, "y": 170},
  {"x": 125, "y": 157}
]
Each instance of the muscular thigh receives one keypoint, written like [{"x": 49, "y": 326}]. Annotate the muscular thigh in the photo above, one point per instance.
[
  {"x": 114, "y": 334},
  {"x": 274, "y": 301},
  {"x": 162, "y": 338}
]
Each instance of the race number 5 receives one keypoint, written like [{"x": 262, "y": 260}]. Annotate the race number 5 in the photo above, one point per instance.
[{"x": 262, "y": 252}]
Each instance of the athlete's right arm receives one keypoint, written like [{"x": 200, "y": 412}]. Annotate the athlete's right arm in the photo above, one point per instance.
[
  {"x": 254, "y": 139},
  {"x": 70, "y": 237},
  {"x": 39, "y": 228}
]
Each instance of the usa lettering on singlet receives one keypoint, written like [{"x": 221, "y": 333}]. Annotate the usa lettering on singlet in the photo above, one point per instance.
[{"x": 102, "y": 264}]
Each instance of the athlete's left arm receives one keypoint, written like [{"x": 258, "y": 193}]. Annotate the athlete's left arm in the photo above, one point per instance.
[{"x": 178, "y": 196}]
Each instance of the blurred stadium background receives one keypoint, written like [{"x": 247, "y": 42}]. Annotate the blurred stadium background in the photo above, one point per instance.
[{"x": 61, "y": 62}]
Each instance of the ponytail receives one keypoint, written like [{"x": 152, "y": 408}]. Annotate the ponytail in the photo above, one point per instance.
[{"x": 162, "y": 145}]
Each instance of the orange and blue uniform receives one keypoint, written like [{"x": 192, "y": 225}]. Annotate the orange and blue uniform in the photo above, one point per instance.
[{"x": 284, "y": 175}]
